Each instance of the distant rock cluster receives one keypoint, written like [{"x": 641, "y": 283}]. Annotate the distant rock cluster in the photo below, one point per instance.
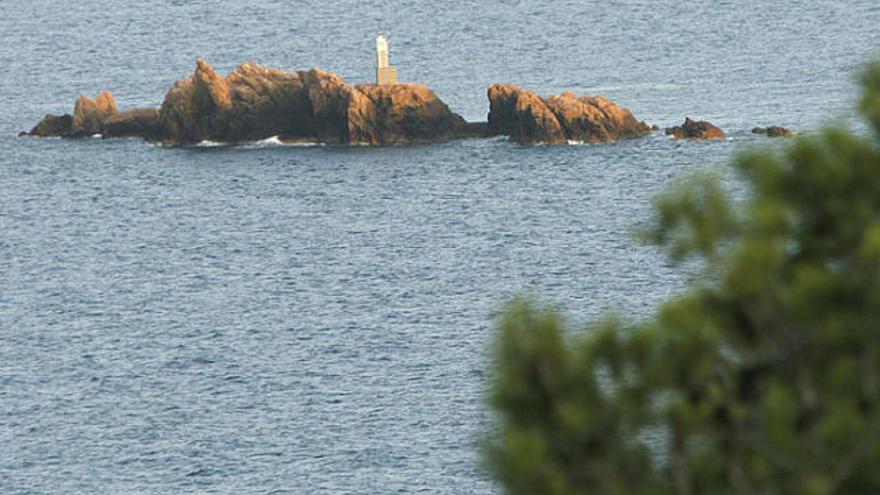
[
  {"x": 256, "y": 102},
  {"x": 774, "y": 131}
]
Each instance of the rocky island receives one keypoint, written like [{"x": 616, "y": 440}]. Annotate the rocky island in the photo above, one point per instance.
[{"x": 256, "y": 102}]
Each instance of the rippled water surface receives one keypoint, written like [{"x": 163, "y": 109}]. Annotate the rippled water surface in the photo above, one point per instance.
[{"x": 272, "y": 319}]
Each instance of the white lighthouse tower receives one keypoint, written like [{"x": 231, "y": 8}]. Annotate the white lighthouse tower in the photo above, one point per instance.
[{"x": 385, "y": 74}]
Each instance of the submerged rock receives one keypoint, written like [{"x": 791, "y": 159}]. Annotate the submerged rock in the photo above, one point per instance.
[
  {"x": 528, "y": 118},
  {"x": 774, "y": 131},
  {"x": 695, "y": 129}
]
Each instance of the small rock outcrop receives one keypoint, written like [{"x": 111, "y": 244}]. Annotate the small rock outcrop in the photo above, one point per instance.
[
  {"x": 99, "y": 116},
  {"x": 51, "y": 125},
  {"x": 695, "y": 129},
  {"x": 89, "y": 115},
  {"x": 774, "y": 131},
  {"x": 528, "y": 118},
  {"x": 522, "y": 115}
]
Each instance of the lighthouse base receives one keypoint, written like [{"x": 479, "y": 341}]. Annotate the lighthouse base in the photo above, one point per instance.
[{"x": 386, "y": 75}]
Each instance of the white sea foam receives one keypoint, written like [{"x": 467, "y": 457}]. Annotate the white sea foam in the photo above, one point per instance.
[
  {"x": 210, "y": 144},
  {"x": 271, "y": 141},
  {"x": 276, "y": 141}
]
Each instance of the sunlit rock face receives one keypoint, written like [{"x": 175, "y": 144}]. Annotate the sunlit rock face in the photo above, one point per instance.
[
  {"x": 528, "y": 118},
  {"x": 256, "y": 102}
]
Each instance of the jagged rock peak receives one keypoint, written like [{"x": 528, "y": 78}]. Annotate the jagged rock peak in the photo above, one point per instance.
[
  {"x": 207, "y": 79},
  {"x": 89, "y": 114}
]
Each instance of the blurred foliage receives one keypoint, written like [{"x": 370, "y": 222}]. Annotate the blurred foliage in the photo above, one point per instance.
[{"x": 762, "y": 380}]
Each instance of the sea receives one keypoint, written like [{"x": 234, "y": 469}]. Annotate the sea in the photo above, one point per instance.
[{"x": 272, "y": 319}]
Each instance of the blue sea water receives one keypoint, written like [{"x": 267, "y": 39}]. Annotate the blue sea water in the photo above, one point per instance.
[{"x": 289, "y": 319}]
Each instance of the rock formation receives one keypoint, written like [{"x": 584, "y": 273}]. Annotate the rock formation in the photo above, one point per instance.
[
  {"x": 140, "y": 122},
  {"x": 256, "y": 102},
  {"x": 774, "y": 131},
  {"x": 403, "y": 113},
  {"x": 695, "y": 129},
  {"x": 528, "y": 118},
  {"x": 100, "y": 116},
  {"x": 51, "y": 125},
  {"x": 89, "y": 115}
]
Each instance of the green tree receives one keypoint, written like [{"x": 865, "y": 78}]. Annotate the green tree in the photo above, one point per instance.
[{"x": 764, "y": 378}]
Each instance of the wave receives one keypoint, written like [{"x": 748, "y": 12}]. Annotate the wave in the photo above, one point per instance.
[
  {"x": 210, "y": 144},
  {"x": 276, "y": 141},
  {"x": 269, "y": 142}
]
